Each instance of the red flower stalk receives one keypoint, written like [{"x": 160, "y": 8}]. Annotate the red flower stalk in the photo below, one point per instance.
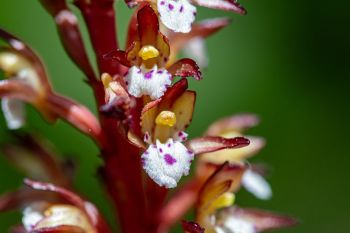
[{"x": 140, "y": 129}]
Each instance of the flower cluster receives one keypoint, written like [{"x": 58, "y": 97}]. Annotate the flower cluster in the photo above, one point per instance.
[{"x": 145, "y": 107}]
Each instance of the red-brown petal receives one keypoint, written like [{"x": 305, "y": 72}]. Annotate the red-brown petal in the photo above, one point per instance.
[
  {"x": 179, "y": 203},
  {"x": 183, "y": 108},
  {"x": 185, "y": 68},
  {"x": 119, "y": 56},
  {"x": 173, "y": 93},
  {"x": 76, "y": 114},
  {"x": 211, "y": 144},
  {"x": 263, "y": 220},
  {"x": 191, "y": 227},
  {"x": 148, "y": 26},
  {"x": 227, "y": 178}
]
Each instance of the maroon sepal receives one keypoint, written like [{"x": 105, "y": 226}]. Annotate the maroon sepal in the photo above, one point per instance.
[
  {"x": 211, "y": 144},
  {"x": 148, "y": 26},
  {"x": 263, "y": 220},
  {"x": 175, "y": 91},
  {"x": 186, "y": 68},
  {"x": 191, "y": 227},
  {"x": 119, "y": 56}
]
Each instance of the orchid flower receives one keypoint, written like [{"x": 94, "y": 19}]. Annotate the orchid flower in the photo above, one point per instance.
[
  {"x": 232, "y": 127},
  {"x": 28, "y": 82},
  {"x": 163, "y": 123},
  {"x": 67, "y": 212},
  {"x": 215, "y": 209},
  {"x": 147, "y": 58},
  {"x": 178, "y": 15}
]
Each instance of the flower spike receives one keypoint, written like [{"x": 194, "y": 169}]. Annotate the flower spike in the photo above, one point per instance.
[{"x": 143, "y": 116}]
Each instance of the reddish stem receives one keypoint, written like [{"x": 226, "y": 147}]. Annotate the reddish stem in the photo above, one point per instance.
[
  {"x": 100, "y": 19},
  {"x": 122, "y": 174}
]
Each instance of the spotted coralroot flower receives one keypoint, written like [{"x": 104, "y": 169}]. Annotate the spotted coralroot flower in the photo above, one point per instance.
[
  {"x": 50, "y": 208},
  {"x": 234, "y": 126},
  {"x": 144, "y": 108},
  {"x": 163, "y": 123},
  {"x": 147, "y": 56},
  {"x": 28, "y": 83},
  {"x": 25, "y": 73},
  {"x": 178, "y": 15},
  {"x": 215, "y": 209}
]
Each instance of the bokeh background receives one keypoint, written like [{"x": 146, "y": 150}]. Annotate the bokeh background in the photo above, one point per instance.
[{"x": 287, "y": 61}]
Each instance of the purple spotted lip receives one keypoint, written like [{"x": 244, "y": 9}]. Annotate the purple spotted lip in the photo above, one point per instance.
[{"x": 170, "y": 160}]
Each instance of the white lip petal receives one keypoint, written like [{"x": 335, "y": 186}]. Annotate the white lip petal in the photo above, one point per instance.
[
  {"x": 167, "y": 163},
  {"x": 257, "y": 185},
  {"x": 177, "y": 15},
  {"x": 153, "y": 82},
  {"x": 32, "y": 215},
  {"x": 14, "y": 112}
]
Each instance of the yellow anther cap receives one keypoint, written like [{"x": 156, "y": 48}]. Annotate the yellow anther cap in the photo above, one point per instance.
[
  {"x": 167, "y": 118},
  {"x": 148, "y": 52},
  {"x": 106, "y": 79},
  {"x": 225, "y": 200}
]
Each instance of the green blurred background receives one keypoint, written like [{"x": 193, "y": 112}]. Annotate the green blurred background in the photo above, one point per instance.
[{"x": 287, "y": 61}]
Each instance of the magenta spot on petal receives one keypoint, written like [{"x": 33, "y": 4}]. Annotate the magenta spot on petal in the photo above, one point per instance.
[
  {"x": 189, "y": 152},
  {"x": 139, "y": 71},
  {"x": 143, "y": 162},
  {"x": 171, "y": 7},
  {"x": 170, "y": 160},
  {"x": 160, "y": 72},
  {"x": 181, "y": 134},
  {"x": 181, "y": 8},
  {"x": 148, "y": 75},
  {"x": 154, "y": 146},
  {"x": 194, "y": 13},
  {"x": 162, "y": 3},
  {"x": 169, "y": 145},
  {"x": 146, "y": 152},
  {"x": 160, "y": 150}
]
